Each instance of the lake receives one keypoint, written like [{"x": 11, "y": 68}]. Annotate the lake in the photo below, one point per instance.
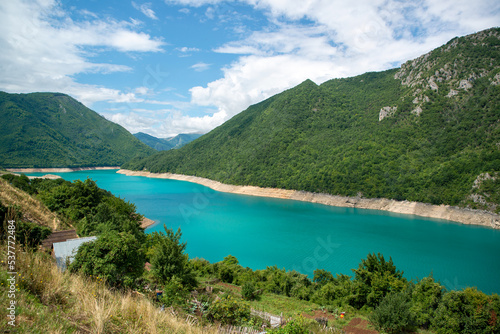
[{"x": 305, "y": 236}]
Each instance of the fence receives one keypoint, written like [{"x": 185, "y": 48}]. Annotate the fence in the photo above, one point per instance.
[
  {"x": 274, "y": 320},
  {"x": 235, "y": 329}
]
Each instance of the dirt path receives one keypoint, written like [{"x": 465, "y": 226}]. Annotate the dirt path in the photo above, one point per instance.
[{"x": 359, "y": 326}]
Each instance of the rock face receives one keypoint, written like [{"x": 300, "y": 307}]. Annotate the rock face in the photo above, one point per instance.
[
  {"x": 447, "y": 69},
  {"x": 386, "y": 112},
  {"x": 496, "y": 80}
]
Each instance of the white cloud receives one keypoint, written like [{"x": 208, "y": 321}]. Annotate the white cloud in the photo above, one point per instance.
[
  {"x": 200, "y": 67},
  {"x": 194, "y": 3},
  {"x": 339, "y": 39},
  {"x": 143, "y": 90},
  {"x": 186, "y": 49},
  {"x": 146, "y": 10},
  {"x": 133, "y": 122},
  {"x": 43, "y": 49},
  {"x": 172, "y": 121}
]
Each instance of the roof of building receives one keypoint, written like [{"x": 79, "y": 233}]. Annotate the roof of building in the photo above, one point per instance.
[
  {"x": 65, "y": 251},
  {"x": 58, "y": 236}
]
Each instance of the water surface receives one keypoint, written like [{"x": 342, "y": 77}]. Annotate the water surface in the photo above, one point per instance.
[{"x": 304, "y": 236}]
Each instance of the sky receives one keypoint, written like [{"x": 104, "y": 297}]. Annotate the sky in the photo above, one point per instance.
[{"x": 186, "y": 66}]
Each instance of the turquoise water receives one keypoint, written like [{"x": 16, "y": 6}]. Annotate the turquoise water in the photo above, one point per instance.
[{"x": 304, "y": 236}]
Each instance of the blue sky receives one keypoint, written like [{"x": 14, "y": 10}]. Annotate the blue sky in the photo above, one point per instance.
[{"x": 183, "y": 66}]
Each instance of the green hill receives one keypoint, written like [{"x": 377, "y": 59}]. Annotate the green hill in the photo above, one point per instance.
[
  {"x": 428, "y": 131},
  {"x": 55, "y": 130},
  {"x": 164, "y": 144}
]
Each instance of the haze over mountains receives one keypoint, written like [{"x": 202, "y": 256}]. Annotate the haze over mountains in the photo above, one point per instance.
[
  {"x": 164, "y": 144},
  {"x": 428, "y": 132},
  {"x": 55, "y": 130}
]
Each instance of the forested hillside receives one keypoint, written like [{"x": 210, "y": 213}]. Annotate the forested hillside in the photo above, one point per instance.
[
  {"x": 428, "y": 131},
  {"x": 55, "y": 130}
]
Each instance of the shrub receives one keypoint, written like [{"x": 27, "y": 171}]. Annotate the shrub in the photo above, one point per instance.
[
  {"x": 248, "y": 291},
  {"x": 393, "y": 314},
  {"x": 425, "y": 296},
  {"x": 168, "y": 259},
  {"x": 375, "y": 278},
  {"x": 467, "y": 311},
  {"x": 296, "y": 326},
  {"x": 116, "y": 257},
  {"x": 174, "y": 293},
  {"x": 228, "y": 311}
]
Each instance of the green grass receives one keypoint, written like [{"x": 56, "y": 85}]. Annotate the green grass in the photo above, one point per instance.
[{"x": 277, "y": 304}]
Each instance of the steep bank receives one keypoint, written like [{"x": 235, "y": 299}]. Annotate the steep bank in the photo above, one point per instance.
[
  {"x": 460, "y": 215},
  {"x": 57, "y": 170}
]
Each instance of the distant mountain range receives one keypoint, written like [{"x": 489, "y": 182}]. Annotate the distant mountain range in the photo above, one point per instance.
[
  {"x": 164, "y": 144},
  {"x": 428, "y": 131},
  {"x": 55, "y": 130}
]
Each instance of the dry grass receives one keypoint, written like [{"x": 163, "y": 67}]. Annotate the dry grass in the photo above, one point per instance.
[
  {"x": 32, "y": 208},
  {"x": 53, "y": 302}
]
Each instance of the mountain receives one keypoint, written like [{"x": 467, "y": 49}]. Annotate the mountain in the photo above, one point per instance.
[
  {"x": 428, "y": 131},
  {"x": 55, "y": 130},
  {"x": 158, "y": 144},
  {"x": 164, "y": 144},
  {"x": 183, "y": 139}
]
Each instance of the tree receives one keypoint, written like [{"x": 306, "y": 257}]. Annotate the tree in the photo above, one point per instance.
[
  {"x": 375, "y": 278},
  {"x": 168, "y": 259},
  {"x": 467, "y": 311},
  {"x": 228, "y": 269},
  {"x": 321, "y": 276},
  {"x": 425, "y": 296},
  {"x": 116, "y": 257},
  {"x": 248, "y": 291},
  {"x": 393, "y": 314}
]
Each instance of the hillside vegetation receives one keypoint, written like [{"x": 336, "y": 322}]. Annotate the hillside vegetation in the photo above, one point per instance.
[
  {"x": 55, "y": 130},
  {"x": 427, "y": 132}
]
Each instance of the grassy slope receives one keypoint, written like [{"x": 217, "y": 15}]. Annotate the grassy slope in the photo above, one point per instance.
[
  {"x": 54, "y": 130},
  {"x": 49, "y": 301},
  {"x": 32, "y": 208}
]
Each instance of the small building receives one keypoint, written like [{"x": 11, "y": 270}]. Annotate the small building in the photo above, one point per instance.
[
  {"x": 64, "y": 252},
  {"x": 58, "y": 236}
]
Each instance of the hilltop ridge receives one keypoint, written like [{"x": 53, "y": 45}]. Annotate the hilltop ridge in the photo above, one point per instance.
[{"x": 55, "y": 130}]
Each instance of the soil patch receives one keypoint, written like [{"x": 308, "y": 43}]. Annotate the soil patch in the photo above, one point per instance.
[
  {"x": 319, "y": 314},
  {"x": 230, "y": 286},
  {"x": 359, "y": 326}
]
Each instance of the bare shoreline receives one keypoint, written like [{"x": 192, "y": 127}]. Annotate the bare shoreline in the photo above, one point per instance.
[
  {"x": 57, "y": 170},
  {"x": 451, "y": 213}
]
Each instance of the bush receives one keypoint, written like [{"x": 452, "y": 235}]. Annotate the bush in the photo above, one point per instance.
[
  {"x": 116, "y": 257},
  {"x": 175, "y": 294},
  {"x": 296, "y": 326},
  {"x": 467, "y": 311},
  {"x": 248, "y": 291},
  {"x": 228, "y": 311},
  {"x": 168, "y": 259},
  {"x": 374, "y": 279},
  {"x": 31, "y": 234},
  {"x": 393, "y": 314},
  {"x": 425, "y": 296}
]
